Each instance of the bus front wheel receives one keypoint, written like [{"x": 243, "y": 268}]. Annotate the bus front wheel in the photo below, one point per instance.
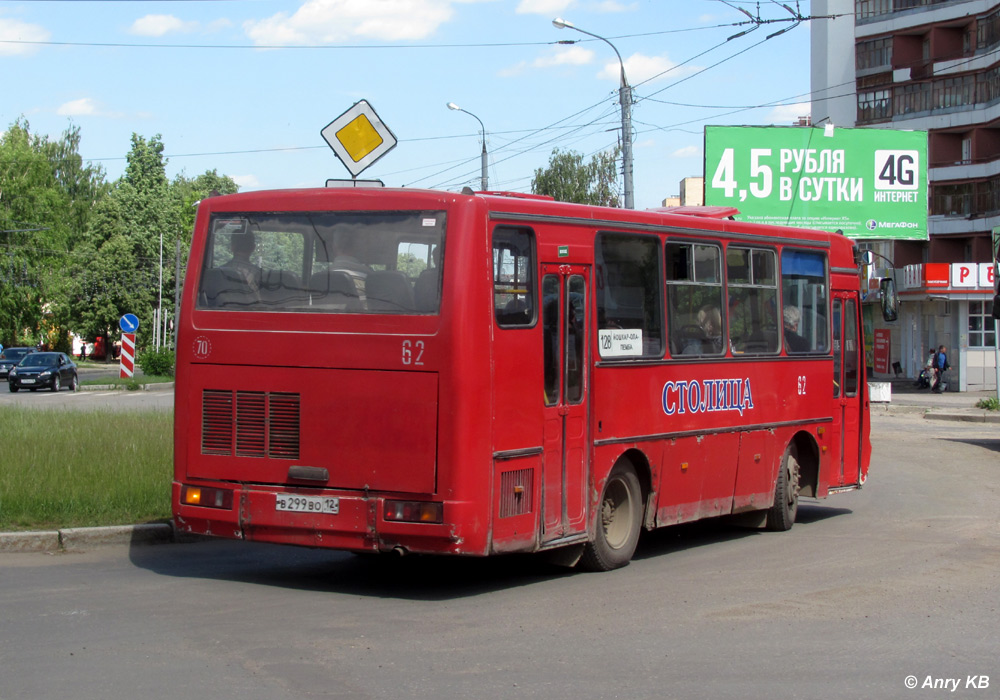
[
  {"x": 781, "y": 515},
  {"x": 619, "y": 520}
]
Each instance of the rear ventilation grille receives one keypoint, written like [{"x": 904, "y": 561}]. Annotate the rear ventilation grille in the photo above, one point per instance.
[
  {"x": 250, "y": 424},
  {"x": 515, "y": 492}
]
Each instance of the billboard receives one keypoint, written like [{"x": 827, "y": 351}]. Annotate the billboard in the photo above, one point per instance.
[{"x": 869, "y": 183}]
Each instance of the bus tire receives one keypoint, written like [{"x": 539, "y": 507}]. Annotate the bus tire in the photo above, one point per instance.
[
  {"x": 619, "y": 520},
  {"x": 781, "y": 515}
]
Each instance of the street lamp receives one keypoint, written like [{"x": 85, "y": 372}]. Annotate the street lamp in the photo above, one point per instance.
[
  {"x": 484, "y": 178},
  {"x": 625, "y": 98}
]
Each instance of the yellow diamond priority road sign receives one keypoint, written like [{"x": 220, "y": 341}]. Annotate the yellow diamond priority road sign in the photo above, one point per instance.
[{"x": 358, "y": 137}]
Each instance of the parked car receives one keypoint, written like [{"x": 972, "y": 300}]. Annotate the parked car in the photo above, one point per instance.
[
  {"x": 44, "y": 370},
  {"x": 10, "y": 357}
]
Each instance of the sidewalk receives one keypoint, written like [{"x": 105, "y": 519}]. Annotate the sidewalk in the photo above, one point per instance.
[{"x": 950, "y": 405}]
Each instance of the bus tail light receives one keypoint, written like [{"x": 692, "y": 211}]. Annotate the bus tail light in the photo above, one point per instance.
[
  {"x": 414, "y": 511},
  {"x": 206, "y": 497}
]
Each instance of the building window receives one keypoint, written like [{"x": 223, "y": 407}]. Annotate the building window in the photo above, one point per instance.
[
  {"x": 956, "y": 92},
  {"x": 876, "y": 53},
  {"x": 872, "y": 8},
  {"x": 988, "y": 31},
  {"x": 969, "y": 199},
  {"x": 981, "y": 328},
  {"x": 875, "y": 105},
  {"x": 913, "y": 97}
]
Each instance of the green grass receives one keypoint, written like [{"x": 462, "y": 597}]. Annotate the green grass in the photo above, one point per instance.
[
  {"x": 990, "y": 404},
  {"x": 128, "y": 383},
  {"x": 77, "y": 469}
]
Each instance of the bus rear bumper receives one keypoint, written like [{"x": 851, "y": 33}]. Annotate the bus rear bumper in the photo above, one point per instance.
[{"x": 357, "y": 525}]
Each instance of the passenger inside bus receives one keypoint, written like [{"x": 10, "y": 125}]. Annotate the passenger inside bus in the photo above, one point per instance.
[
  {"x": 238, "y": 281},
  {"x": 793, "y": 341},
  {"x": 427, "y": 287},
  {"x": 346, "y": 255},
  {"x": 705, "y": 338}
]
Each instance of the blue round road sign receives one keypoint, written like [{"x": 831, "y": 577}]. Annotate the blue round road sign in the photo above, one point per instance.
[{"x": 128, "y": 323}]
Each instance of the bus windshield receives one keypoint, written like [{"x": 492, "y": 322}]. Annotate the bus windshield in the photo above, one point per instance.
[{"x": 324, "y": 262}]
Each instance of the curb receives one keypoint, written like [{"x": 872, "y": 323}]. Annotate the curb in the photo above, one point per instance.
[
  {"x": 929, "y": 413},
  {"x": 158, "y": 386},
  {"x": 976, "y": 417},
  {"x": 80, "y": 539}
]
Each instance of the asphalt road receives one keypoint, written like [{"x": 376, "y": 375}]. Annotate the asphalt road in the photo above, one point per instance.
[
  {"x": 158, "y": 396},
  {"x": 869, "y": 592}
]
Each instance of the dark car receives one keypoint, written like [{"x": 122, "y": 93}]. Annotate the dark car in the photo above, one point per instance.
[
  {"x": 10, "y": 357},
  {"x": 43, "y": 370}
]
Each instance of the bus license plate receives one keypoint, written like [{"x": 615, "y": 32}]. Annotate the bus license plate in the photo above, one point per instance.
[{"x": 307, "y": 504}]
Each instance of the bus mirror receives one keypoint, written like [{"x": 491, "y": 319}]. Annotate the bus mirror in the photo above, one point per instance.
[
  {"x": 890, "y": 304},
  {"x": 996, "y": 306}
]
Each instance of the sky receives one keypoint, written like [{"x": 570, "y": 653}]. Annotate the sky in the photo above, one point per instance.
[{"x": 244, "y": 87}]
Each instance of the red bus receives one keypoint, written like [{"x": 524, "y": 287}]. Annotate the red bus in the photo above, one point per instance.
[{"x": 481, "y": 373}]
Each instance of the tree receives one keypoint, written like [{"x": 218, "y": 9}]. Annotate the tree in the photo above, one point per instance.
[
  {"x": 187, "y": 192},
  {"x": 569, "y": 179},
  {"x": 45, "y": 198},
  {"x": 118, "y": 270}
]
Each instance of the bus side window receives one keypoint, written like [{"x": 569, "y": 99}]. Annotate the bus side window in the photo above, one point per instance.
[
  {"x": 513, "y": 277},
  {"x": 753, "y": 300},
  {"x": 628, "y": 291},
  {"x": 694, "y": 293},
  {"x": 804, "y": 299}
]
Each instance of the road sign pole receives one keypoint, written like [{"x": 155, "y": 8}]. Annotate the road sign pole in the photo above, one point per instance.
[{"x": 127, "y": 362}]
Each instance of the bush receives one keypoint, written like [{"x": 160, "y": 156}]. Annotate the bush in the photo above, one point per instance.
[
  {"x": 157, "y": 362},
  {"x": 990, "y": 404}
]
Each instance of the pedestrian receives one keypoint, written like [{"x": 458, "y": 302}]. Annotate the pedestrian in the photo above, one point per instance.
[
  {"x": 926, "y": 378},
  {"x": 940, "y": 367}
]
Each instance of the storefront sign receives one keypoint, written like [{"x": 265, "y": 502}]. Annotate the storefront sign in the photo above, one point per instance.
[
  {"x": 882, "y": 347},
  {"x": 943, "y": 276}
]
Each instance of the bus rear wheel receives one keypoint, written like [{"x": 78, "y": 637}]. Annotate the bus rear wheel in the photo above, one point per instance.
[
  {"x": 619, "y": 520},
  {"x": 781, "y": 515}
]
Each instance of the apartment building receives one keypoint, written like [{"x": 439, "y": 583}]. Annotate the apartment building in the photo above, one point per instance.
[{"x": 934, "y": 66}]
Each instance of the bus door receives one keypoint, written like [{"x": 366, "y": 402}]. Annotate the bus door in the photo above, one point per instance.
[
  {"x": 847, "y": 390},
  {"x": 565, "y": 325}
]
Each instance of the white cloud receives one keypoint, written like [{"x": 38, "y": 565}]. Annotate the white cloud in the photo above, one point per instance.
[
  {"x": 788, "y": 114},
  {"x": 329, "y": 21},
  {"x": 15, "y": 30},
  {"x": 543, "y": 7},
  {"x": 77, "y": 108},
  {"x": 565, "y": 56},
  {"x": 84, "y": 107},
  {"x": 161, "y": 25},
  {"x": 640, "y": 68},
  {"x": 614, "y": 6},
  {"x": 686, "y": 152},
  {"x": 561, "y": 56}
]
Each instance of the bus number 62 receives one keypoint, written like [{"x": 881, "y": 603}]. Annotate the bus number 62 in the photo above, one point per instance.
[{"x": 413, "y": 352}]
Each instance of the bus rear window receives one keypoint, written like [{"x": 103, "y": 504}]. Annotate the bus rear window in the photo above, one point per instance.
[{"x": 324, "y": 262}]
